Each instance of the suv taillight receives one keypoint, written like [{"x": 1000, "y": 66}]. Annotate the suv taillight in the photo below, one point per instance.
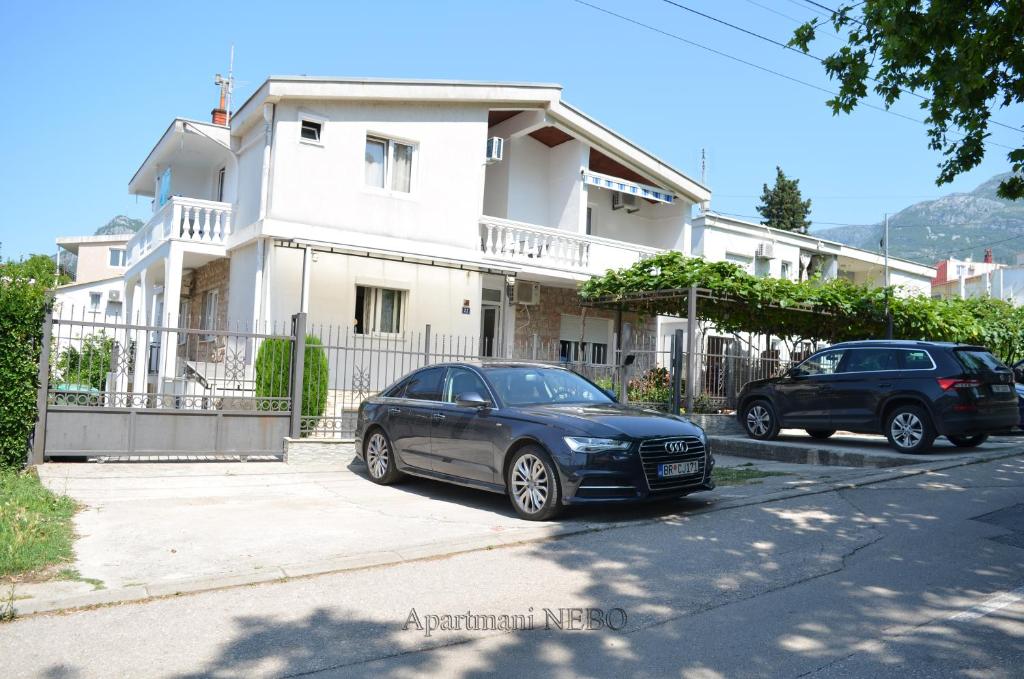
[{"x": 948, "y": 383}]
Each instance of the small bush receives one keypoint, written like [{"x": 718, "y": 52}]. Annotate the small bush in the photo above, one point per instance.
[
  {"x": 654, "y": 386},
  {"x": 88, "y": 365},
  {"x": 273, "y": 378}
]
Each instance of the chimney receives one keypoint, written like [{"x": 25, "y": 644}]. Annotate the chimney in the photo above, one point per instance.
[
  {"x": 988, "y": 255},
  {"x": 219, "y": 115}
]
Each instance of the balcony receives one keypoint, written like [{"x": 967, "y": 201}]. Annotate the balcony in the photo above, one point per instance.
[
  {"x": 192, "y": 220},
  {"x": 542, "y": 247}
]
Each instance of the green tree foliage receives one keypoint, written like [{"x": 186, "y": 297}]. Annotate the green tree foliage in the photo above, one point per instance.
[
  {"x": 781, "y": 205},
  {"x": 23, "y": 304},
  {"x": 963, "y": 58},
  {"x": 273, "y": 378},
  {"x": 831, "y": 311},
  {"x": 88, "y": 363}
]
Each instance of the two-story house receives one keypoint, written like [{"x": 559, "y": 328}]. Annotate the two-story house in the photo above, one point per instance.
[
  {"x": 98, "y": 264},
  {"x": 382, "y": 206}
]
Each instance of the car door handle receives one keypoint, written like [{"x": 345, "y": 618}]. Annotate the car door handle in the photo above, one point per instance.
[
  {"x": 438, "y": 416},
  {"x": 394, "y": 411},
  {"x": 885, "y": 385}
]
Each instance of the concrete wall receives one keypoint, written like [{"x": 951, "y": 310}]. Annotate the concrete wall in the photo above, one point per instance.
[
  {"x": 655, "y": 224},
  {"x": 73, "y": 300},
  {"x": 324, "y": 184}
]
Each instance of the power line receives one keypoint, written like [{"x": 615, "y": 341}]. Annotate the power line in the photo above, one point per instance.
[
  {"x": 786, "y": 46},
  {"x": 775, "y": 11},
  {"x": 759, "y": 67}
]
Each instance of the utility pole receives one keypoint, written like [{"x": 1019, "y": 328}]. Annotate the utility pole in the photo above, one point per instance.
[{"x": 888, "y": 312}]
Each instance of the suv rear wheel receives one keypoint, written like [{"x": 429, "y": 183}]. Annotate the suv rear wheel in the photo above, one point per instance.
[
  {"x": 968, "y": 441},
  {"x": 909, "y": 429},
  {"x": 760, "y": 421}
]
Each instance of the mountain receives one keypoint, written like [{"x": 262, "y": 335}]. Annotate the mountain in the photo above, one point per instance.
[
  {"x": 958, "y": 225},
  {"x": 120, "y": 225}
]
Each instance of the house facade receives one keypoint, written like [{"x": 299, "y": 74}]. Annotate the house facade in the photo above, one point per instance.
[
  {"x": 964, "y": 278},
  {"x": 96, "y": 290}
]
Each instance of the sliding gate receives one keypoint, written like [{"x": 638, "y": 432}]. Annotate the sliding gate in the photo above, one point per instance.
[{"x": 115, "y": 389}]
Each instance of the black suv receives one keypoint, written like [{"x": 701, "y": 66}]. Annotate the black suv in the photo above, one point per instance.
[{"x": 910, "y": 391}]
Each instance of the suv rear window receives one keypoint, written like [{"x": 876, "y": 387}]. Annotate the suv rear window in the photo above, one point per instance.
[{"x": 978, "y": 361}]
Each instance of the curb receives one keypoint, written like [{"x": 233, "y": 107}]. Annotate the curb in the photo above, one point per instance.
[{"x": 412, "y": 554}]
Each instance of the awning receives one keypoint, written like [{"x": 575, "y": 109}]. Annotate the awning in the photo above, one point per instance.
[{"x": 605, "y": 181}]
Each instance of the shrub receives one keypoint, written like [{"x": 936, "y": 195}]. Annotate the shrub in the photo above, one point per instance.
[
  {"x": 273, "y": 378},
  {"x": 23, "y": 306},
  {"x": 88, "y": 366},
  {"x": 653, "y": 386}
]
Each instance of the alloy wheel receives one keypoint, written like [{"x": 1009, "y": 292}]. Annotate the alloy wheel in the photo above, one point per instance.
[
  {"x": 530, "y": 483},
  {"x": 377, "y": 457},
  {"x": 907, "y": 430},
  {"x": 758, "y": 420}
]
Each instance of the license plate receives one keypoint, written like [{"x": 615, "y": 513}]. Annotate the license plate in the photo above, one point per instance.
[
  {"x": 1001, "y": 388},
  {"x": 678, "y": 468}
]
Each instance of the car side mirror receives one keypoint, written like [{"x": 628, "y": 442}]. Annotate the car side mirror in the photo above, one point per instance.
[
  {"x": 610, "y": 393},
  {"x": 795, "y": 371},
  {"x": 471, "y": 399}
]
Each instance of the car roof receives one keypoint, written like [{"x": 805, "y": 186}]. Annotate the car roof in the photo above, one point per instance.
[
  {"x": 484, "y": 364},
  {"x": 901, "y": 344}
]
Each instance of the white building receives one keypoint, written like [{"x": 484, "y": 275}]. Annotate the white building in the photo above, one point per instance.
[
  {"x": 97, "y": 287},
  {"x": 382, "y": 206},
  {"x": 965, "y": 278}
]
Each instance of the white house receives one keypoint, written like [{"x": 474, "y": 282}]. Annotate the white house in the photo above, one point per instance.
[
  {"x": 97, "y": 288},
  {"x": 965, "y": 278}
]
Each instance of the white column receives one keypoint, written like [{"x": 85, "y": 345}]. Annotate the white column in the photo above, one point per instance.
[
  {"x": 172, "y": 299},
  {"x": 141, "y": 336},
  {"x": 307, "y": 274}
]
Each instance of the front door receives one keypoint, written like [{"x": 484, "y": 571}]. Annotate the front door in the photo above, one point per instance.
[
  {"x": 410, "y": 418},
  {"x": 461, "y": 438},
  {"x": 807, "y": 397}
]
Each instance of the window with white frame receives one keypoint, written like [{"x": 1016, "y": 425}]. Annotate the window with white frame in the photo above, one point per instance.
[
  {"x": 221, "y": 173},
  {"x": 94, "y": 300},
  {"x": 389, "y": 164},
  {"x": 311, "y": 130},
  {"x": 786, "y": 270},
  {"x": 117, "y": 256},
  {"x": 378, "y": 310},
  {"x": 208, "y": 319}
]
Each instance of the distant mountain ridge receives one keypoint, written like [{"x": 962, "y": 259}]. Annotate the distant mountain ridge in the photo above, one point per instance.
[
  {"x": 958, "y": 225},
  {"x": 119, "y": 226}
]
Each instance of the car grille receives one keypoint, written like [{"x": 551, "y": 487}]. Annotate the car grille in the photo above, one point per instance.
[{"x": 653, "y": 452}]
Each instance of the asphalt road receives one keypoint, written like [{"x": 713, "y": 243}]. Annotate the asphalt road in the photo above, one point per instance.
[{"x": 921, "y": 577}]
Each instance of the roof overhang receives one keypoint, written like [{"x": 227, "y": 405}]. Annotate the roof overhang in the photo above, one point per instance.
[
  {"x": 72, "y": 243},
  {"x": 184, "y": 142}
]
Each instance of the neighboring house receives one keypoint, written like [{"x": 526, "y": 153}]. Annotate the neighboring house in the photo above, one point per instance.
[
  {"x": 963, "y": 279},
  {"x": 97, "y": 287}
]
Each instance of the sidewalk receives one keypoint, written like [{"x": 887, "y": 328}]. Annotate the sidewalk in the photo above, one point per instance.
[{"x": 159, "y": 529}]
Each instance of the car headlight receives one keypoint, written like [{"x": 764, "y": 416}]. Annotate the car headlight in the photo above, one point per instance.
[{"x": 586, "y": 444}]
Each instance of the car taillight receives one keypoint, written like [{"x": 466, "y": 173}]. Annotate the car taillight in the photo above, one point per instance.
[{"x": 948, "y": 383}]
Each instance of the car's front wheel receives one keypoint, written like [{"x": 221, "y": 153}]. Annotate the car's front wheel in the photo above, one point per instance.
[
  {"x": 759, "y": 421},
  {"x": 909, "y": 429},
  {"x": 533, "y": 484},
  {"x": 968, "y": 441},
  {"x": 380, "y": 458}
]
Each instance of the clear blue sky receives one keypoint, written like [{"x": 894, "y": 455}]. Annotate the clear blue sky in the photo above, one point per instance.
[{"x": 91, "y": 86}]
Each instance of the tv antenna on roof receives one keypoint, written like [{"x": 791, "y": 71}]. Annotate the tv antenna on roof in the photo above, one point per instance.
[{"x": 227, "y": 85}]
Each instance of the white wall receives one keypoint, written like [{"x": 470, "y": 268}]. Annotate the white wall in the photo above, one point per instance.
[
  {"x": 248, "y": 172},
  {"x": 242, "y": 300},
  {"x": 658, "y": 225},
  {"x": 528, "y": 181},
  {"x": 73, "y": 300},
  {"x": 324, "y": 184},
  {"x": 715, "y": 245}
]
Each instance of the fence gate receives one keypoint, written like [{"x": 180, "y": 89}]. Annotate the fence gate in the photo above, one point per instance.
[{"x": 113, "y": 389}]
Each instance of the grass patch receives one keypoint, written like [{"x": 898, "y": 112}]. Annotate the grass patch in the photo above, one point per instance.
[
  {"x": 725, "y": 476},
  {"x": 35, "y": 525},
  {"x": 73, "y": 574}
]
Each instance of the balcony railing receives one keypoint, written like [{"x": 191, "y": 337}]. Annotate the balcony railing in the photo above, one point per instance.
[
  {"x": 187, "y": 219},
  {"x": 541, "y": 246}
]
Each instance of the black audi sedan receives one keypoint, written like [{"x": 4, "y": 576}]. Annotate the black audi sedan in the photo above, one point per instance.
[{"x": 543, "y": 435}]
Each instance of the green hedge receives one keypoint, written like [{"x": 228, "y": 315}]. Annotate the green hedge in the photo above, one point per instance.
[
  {"x": 23, "y": 306},
  {"x": 273, "y": 378}
]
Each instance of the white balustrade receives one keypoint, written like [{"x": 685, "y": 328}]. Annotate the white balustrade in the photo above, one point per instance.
[
  {"x": 540, "y": 246},
  {"x": 186, "y": 219}
]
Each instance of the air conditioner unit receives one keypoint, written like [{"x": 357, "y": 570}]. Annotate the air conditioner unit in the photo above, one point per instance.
[
  {"x": 114, "y": 295},
  {"x": 765, "y": 251},
  {"x": 526, "y": 293},
  {"x": 625, "y": 200},
  {"x": 495, "y": 149}
]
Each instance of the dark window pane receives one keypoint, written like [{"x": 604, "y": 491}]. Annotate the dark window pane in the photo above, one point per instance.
[
  {"x": 310, "y": 130},
  {"x": 978, "y": 361},
  {"x": 426, "y": 385},
  {"x": 917, "y": 360},
  {"x": 871, "y": 360},
  {"x": 462, "y": 381}
]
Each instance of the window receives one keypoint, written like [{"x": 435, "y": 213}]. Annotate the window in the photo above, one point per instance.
[
  {"x": 590, "y": 221},
  {"x": 977, "y": 361},
  {"x": 208, "y": 320},
  {"x": 917, "y": 360},
  {"x": 462, "y": 381},
  {"x": 527, "y": 386},
  {"x": 826, "y": 363},
  {"x": 114, "y": 309},
  {"x": 586, "y": 352},
  {"x": 220, "y": 184},
  {"x": 310, "y": 130},
  {"x": 388, "y": 164},
  {"x": 117, "y": 257},
  {"x": 378, "y": 310},
  {"x": 786, "y": 271},
  {"x": 94, "y": 300},
  {"x": 871, "y": 360},
  {"x": 426, "y": 385},
  {"x": 164, "y": 194}
]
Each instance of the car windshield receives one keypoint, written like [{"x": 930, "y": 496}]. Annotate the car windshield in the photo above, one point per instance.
[
  {"x": 978, "y": 361},
  {"x": 535, "y": 386}
]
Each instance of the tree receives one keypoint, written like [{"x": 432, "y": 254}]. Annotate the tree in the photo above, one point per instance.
[
  {"x": 782, "y": 207},
  {"x": 962, "y": 58}
]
